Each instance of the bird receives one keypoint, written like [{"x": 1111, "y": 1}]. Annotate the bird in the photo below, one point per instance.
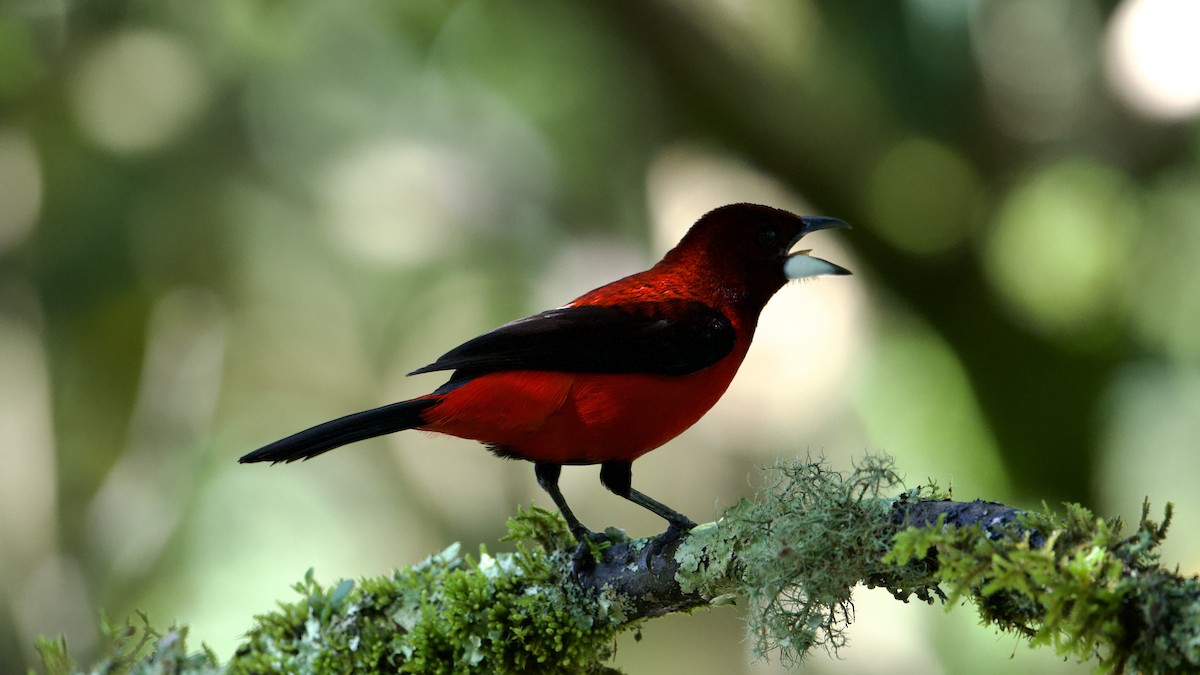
[{"x": 611, "y": 375}]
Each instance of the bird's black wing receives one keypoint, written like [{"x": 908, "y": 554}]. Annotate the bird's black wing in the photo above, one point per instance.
[{"x": 664, "y": 338}]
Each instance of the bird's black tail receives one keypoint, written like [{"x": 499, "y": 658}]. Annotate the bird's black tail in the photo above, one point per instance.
[{"x": 344, "y": 430}]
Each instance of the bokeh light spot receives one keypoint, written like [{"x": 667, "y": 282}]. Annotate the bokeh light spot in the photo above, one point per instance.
[
  {"x": 20, "y": 187},
  {"x": 917, "y": 402},
  {"x": 28, "y": 477},
  {"x": 1151, "y": 422},
  {"x": 1036, "y": 61},
  {"x": 1163, "y": 303},
  {"x": 402, "y": 201},
  {"x": 1152, "y": 56},
  {"x": 1058, "y": 249},
  {"x": 137, "y": 91},
  {"x": 779, "y": 35},
  {"x": 922, "y": 195}
]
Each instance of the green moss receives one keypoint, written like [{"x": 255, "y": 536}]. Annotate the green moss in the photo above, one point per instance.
[
  {"x": 133, "y": 650},
  {"x": 449, "y": 614},
  {"x": 1073, "y": 582}
]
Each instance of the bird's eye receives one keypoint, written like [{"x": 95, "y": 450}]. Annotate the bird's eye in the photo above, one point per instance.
[{"x": 768, "y": 238}]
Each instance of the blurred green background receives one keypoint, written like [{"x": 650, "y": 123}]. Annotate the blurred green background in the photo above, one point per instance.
[{"x": 223, "y": 221}]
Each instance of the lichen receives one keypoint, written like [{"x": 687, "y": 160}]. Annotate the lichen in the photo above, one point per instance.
[
  {"x": 709, "y": 558},
  {"x": 810, "y": 537}
]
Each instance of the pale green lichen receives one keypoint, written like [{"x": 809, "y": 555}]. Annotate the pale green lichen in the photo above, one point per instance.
[
  {"x": 812, "y": 535},
  {"x": 709, "y": 558}
]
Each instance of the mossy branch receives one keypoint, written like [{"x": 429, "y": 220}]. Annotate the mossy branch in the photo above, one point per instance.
[{"x": 796, "y": 553}]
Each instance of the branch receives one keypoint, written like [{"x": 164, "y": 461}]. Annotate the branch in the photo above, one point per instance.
[{"x": 796, "y": 553}]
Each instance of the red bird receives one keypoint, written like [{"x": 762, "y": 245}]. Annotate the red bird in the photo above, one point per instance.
[{"x": 613, "y": 374}]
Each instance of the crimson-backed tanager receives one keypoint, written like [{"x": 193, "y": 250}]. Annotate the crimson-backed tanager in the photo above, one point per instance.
[{"x": 612, "y": 375}]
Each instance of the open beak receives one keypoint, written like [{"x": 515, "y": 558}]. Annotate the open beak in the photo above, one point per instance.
[{"x": 801, "y": 265}]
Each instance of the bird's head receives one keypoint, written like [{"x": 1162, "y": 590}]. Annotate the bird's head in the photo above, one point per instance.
[{"x": 746, "y": 250}]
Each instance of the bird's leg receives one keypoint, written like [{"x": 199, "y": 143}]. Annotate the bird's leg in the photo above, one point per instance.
[
  {"x": 617, "y": 477},
  {"x": 547, "y": 476}
]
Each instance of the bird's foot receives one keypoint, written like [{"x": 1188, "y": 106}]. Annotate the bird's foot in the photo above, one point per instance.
[
  {"x": 680, "y": 526},
  {"x": 590, "y": 549},
  {"x": 676, "y": 530},
  {"x": 592, "y": 545}
]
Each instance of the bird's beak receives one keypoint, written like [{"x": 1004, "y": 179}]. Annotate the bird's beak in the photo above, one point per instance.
[{"x": 801, "y": 265}]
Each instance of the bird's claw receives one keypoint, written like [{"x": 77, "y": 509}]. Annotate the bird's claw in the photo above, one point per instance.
[
  {"x": 590, "y": 549},
  {"x": 681, "y": 526},
  {"x": 675, "y": 531}
]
